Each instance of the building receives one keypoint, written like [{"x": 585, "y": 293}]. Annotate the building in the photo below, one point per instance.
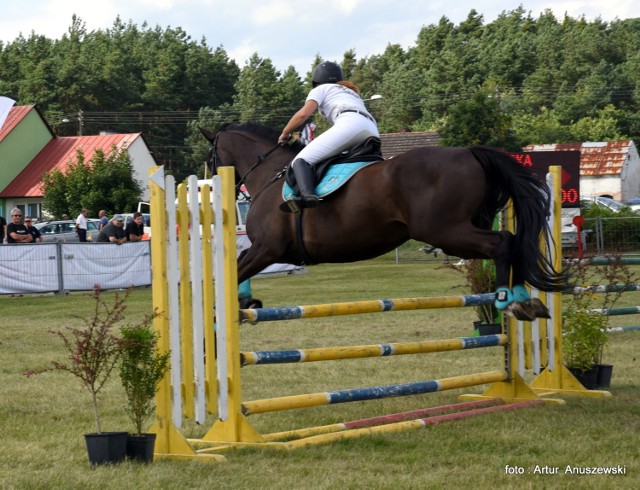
[
  {"x": 29, "y": 148},
  {"x": 610, "y": 169}
]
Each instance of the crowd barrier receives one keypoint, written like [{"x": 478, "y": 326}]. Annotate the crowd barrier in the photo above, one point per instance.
[{"x": 197, "y": 386}]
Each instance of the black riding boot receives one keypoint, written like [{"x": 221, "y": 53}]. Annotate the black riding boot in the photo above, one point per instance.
[{"x": 306, "y": 181}]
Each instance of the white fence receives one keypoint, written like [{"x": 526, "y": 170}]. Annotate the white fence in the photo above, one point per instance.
[
  {"x": 47, "y": 267},
  {"x": 59, "y": 267}
]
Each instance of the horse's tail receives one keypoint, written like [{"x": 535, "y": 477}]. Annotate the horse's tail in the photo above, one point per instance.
[{"x": 531, "y": 202}]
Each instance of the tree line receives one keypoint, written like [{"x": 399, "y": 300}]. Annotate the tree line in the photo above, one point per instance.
[{"x": 515, "y": 81}]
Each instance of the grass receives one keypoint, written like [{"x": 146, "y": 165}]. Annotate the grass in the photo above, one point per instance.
[{"x": 43, "y": 419}]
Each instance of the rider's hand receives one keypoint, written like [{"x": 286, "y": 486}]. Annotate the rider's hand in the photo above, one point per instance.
[{"x": 284, "y": 138}]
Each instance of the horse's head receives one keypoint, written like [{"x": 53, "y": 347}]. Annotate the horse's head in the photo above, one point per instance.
[{"x": 252, "y": 149}]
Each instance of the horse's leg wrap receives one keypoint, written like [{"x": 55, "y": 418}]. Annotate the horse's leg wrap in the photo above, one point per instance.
[
  {"x": 520, "y": 293},
  {"x": 305, "y": 178},
  {"x": 504, "y": 297}
]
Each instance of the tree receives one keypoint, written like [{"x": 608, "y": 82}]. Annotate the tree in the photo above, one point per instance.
[
  {"x": 105, "y": 183},
  {"x": 478, "y": 121}
]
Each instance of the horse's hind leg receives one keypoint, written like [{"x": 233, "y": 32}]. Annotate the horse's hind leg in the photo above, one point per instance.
[{"x": 515, "y": 299}]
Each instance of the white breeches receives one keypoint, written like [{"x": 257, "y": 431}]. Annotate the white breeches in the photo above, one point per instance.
[{"x": 350, "y": 128}]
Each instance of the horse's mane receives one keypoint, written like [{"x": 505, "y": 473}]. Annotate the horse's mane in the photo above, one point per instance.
[{"x": 262, "y": 131}]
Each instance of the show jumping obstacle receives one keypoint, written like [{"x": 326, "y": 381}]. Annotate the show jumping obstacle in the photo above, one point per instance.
[{"x": 196, "y": 386}]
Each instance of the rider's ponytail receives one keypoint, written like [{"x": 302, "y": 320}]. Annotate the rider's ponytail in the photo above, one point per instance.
[{"x": 350, "y": 85}]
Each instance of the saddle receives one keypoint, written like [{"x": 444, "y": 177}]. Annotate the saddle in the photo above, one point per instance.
[{"x": 360, "y": 156}]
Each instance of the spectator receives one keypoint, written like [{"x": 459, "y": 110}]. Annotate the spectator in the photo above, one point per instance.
[
  {"x": 35, "y": 233},
  {"x": 114, "y": 231},
  {"x": 65, "y": 216},
  {"x": 135, "y": 228},
  {"x": 104, "y": 221},
  {"x": 81, "y": 225},
  {"x": 16, "y": 231},
  {"x": 3, "y": 229}
]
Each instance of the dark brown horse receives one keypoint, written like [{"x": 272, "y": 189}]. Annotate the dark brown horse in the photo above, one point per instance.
[{"x": 447, "y": 197}]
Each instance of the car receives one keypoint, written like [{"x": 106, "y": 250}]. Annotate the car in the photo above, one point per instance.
[
  {"x": 65, "y": 230},
  {"x": 634, "y": 203},
  {"x": 603, "y": 202}
]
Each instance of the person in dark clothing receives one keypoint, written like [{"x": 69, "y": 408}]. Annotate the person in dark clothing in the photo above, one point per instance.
[
  {"x": 135, "y": 228},
  {"x": 113, "y": 232}
]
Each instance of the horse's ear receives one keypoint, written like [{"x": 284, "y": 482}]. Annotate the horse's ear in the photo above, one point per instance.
[{"x": 207, "y": 134}]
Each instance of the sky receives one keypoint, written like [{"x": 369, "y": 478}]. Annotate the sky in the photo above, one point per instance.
[{"x": 288, "y": 32}]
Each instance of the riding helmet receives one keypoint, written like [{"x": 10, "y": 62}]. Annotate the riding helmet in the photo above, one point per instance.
[{"x": 326, "y": 72}]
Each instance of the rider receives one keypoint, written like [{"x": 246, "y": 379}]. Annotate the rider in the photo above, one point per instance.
[{"x": 339, "y": 102}]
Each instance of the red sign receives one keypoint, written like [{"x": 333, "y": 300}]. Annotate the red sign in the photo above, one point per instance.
[{"x": 540, "y": 161}]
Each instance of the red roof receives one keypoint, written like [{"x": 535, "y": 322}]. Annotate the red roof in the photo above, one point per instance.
[
  {"x": 605, "y": 158},
  {"x": 16, "y": 114},
  {"x": 58, "y": 154}
]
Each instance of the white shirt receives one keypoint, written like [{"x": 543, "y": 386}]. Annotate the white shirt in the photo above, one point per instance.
[
  {"x": 333, "y": 98},
  {"x": 81, "y": 221}
]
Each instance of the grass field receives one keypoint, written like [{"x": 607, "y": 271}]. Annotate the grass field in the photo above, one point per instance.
[{"x": 43, "y": 419}]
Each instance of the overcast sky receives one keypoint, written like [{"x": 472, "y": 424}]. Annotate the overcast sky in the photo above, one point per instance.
[{"x": 289, "y": 32}]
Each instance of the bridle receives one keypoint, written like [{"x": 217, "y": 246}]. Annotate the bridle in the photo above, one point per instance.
[{"x": 215, "y": 163}]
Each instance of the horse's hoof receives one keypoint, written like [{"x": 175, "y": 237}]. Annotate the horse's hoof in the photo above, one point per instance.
[
  {"x": 522, "y": 311},
  {"x": 539, "y": 308}
]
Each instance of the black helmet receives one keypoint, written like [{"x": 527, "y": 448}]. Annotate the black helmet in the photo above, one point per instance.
[{"x": 326, "y": 72}]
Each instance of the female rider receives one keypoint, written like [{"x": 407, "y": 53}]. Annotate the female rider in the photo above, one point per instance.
[{"x": 339, "y": 102}]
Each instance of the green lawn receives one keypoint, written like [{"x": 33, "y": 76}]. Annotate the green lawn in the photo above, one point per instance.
[{"x": 43, "y": 419}]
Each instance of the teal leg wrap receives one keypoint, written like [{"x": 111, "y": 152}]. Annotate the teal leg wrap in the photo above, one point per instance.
[
  {"x": 504, "y": 297},
  {"x": 520, "y": 293},
  {"x": 244, "y": 289}
]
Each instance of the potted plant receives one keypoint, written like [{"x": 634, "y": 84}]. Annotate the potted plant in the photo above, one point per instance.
[
  {"x": 585, "y": 320},
  {"x": 93, "y": 353},
  {"x": 142, "y": 367},
  {"x": 584, "y": 337},
  {"x": 481, "y": 278}
]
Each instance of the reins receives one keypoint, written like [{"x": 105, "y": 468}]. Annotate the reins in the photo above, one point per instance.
[{"x": 241, "y": 181}]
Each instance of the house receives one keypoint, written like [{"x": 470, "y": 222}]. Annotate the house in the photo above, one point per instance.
[
  {"x": 29, "y": 148},
  {"x": 610, "y": 169},
  {"x": 393, "y": 144}
]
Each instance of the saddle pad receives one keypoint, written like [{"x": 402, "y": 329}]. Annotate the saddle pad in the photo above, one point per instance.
[{"x": 333, "y": 179}]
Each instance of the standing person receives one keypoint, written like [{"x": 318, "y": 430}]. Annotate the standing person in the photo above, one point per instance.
[
  {"x": 339, "y": 102},
  {"x": 104, "y": 221},
  {"x": 114, "y": 231},
  {"x": 135, "y": 228},
  {"x": 16, "y": 231},
  {"x": 3, "y": 229},
  {"x": 35, "y": 233},
  {"x": 81, "y": 225}
]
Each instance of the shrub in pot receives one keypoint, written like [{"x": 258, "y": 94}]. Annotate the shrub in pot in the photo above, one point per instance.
[
  {"x": 93, "y": 353},
  {"x": 142, "y": 367},
  {"x": 480, "y": 277}
]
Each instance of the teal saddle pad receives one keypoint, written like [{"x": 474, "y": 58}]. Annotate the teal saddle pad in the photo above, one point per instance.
[{"x": 337, "y": 175}]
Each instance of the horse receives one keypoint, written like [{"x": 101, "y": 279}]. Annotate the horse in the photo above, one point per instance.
[{"x": 446, "y": 197}]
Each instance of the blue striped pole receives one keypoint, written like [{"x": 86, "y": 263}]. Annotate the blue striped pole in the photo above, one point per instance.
[
  {"x": 615, "y": 260},
  {"x": 622, "y": 310},
  {"x": 611, "y": 288},
  {"x": 358, "y": 307},
  {"x": 630, "y": 328},
  {"x": 375, "y": 350},
  {"x": 371, "y": 393}
]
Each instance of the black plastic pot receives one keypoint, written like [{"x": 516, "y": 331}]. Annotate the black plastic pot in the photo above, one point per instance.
[
  {"x": 140, "y": 447},
  {"x": 605, "y": 371},
  {"x": 106, "y": 447},
  {"x": 487, "y": 328},
  {"x": 588, "y": 378}
]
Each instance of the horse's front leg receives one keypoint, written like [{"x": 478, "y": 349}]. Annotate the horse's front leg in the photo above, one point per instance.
[{"x": 252, "y": 261}]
